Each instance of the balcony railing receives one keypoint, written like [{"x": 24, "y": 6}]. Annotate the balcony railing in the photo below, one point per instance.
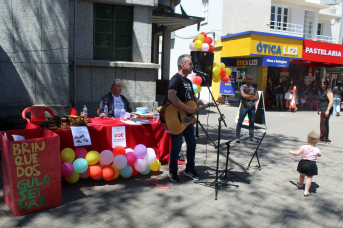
[
  {"x": 289, "y": 28},
  {"x": 328, "y": 39}
]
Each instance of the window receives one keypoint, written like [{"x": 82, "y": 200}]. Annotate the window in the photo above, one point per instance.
[
  {"x": 279, "y": 18},
  {"x": 308, "y": 24},
  {"x": 112, "y": 32},
  {"x": 320, "y": 29},
  {"x": 205, "y": 10}
]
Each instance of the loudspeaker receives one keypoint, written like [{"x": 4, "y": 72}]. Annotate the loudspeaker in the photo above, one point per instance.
[{"x": 203, "y": 61}]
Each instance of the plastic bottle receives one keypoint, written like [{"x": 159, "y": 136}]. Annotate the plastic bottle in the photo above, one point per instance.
[
  {"x": 106, "y": 111},
  {"x": 156, "y": 117},
  {"x": 122, "y": 114},
  {"x": 85, "y": 111}
]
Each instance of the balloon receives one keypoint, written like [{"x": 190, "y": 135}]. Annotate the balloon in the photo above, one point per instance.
[
  {"x": 192, "y": 47},
  {"x": 140, "y": 151},
  {"x": 221, "y": 65},
  {"x": 216, "y": 70},
  {"x": 200, "y": 37},
  {"x": 106, "y": 157},
  {"x": 84, "y": 175},
  {"x": 225, "y": 78},
  {"x": 94, "y": 171},
  {"x": 194, "y": 39},
  {"x": 73, "y": 178},
  {"x": 131, "y": 158},
  {"x": 197, "y": 44},
  {"x": 126, "y": 171},
  {"x": 118, "y": 150},
  {"x": 68, "y": 155},
  {"x": 80, "y": 152},
  {"x": 197, "y": 80},
  {"x": 127, "y": 150},
  {"x": 215, "y": 65},
  {"x": 208, "y": 40},
  {"x": 191, "y": 76},
  {"x": 120, "y": 161},
  {"x": 228, "y": 71},
  {"x": 97, "y": 179},
  {"x": 155, "y": 166},
  {"x": 141, "y": 165},
  {"x": 204, "y": 47},
  {"x": 222, "y": 71},
  {"x": 204, "y": 34},
  {"x": 146, "y": 171},
  {"x": 211, "y": 48},
  {"x": 108, "y": 172},
  {"x": 134, "y": 171},
  {"x": 150, "y": 157},
  {"x": 199, "y": 89},
  {"x": 216, "y": 78},
  {"x": 117, "y": 172},
  {"x": 80, "y": 165},
  {"x": 67, "y": 169},
  {"x": 92, "y": 157},
  {"x": 195, "y": 87}
]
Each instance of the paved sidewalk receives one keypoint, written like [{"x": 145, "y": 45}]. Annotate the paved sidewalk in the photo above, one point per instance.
[{"x": 270, "y": 200}]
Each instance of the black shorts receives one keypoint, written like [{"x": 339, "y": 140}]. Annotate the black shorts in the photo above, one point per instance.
[{"x": 308, "y": 167}]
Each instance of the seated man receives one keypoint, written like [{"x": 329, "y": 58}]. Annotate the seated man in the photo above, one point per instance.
[{"x": 114, "y": 100}]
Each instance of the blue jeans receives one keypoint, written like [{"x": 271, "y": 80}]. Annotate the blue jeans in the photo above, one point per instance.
[
  {"x": 251, "y": 114},
  {"x": 336, "y": 105},
  {"x": 176, "y": 143},
  {"x": 279, "y": 97}
]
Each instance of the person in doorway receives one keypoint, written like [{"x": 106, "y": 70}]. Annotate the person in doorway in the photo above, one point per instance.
[
  {"x": 114, "y": 100},
  {"x": 325, "y": 109},
  {"x": 337, "y": 98},
  {"x": 270, "y": 92},
  {"x": 280, "y": 91},
  {"x": 249, "y": 95}
]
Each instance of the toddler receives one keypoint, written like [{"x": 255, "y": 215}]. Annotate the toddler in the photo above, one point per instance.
[{"x": 307, "y": 165}]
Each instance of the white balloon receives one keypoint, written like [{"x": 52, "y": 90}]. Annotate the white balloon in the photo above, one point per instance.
[
  {"x": 191, "y": 46},
  {"x": 150, "y": 156},
  {"x": 119, "y": 161},
  {"x": 205, "y": 47},
  {"x": 127, "y": 150}
]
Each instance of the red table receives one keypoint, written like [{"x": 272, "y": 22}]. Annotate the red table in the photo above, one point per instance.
[{"x": 151, "y": 135}]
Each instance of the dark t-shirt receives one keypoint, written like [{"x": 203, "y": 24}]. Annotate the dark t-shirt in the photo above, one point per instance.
[
  {"x": 182, "y": 86},
  {"x": 280, "y": 90}
]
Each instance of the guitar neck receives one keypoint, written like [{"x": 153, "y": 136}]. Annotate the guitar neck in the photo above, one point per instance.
[{"x": 203, "y": 107}]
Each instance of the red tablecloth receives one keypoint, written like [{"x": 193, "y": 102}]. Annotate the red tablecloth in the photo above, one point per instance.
[{"x": 151, "y": 135}]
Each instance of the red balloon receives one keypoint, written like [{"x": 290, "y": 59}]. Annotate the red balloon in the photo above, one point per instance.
[
  {"x": 225, "y": 78},
  {"x": 134, "y": 171},
  {"x": 197, "y": 80},
  {"x": 108, "y": 173},
  {"x": 222, "y": 71},
  {"x": 118, "y": 150},
  {"x": 94, "y": 171},
  {"x": 204, "y": 34},
  {"x": 194, "y": 39},
  {"x": 208, "y": 40},
  {"x": 211, "y": 48}
]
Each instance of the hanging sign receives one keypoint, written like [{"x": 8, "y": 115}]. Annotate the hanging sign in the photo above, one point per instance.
[
  {"x": 229, "y": 87},
  {"x": 118, "y": 136}
]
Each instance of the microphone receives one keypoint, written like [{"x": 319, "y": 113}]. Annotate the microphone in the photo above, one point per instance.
[{"x": 199, "y": 72}]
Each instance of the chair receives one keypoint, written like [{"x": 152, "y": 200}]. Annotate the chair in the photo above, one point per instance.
[
  {"x": 269, "y": 100},
  {"x": 37, "y": 113}
]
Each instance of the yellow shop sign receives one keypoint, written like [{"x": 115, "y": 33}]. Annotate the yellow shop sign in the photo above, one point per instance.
[{"x": 270, "y": 49}]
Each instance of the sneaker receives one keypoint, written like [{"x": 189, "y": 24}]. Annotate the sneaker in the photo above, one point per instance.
[
  {"x": 193, "y": 175},
  {"x": 337, "y": 113},
  {"x": 253, "y": 139},
  {"x": 238, "y": 140},
  {"x": 174, "y": 177},
  {"x": 320, "y": 141}
]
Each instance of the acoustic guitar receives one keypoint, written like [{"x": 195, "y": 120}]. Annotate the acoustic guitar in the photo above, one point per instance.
[{"x": 177, "y": 119}]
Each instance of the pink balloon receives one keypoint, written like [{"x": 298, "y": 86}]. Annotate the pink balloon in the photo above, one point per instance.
[
  {"x": 191, "y": 77},
  {"x": 140, "y": 151},
  {"x": 191, "y": 46},
  {"x": 141, "y": 165},
  {"x": 80, "y": 152},
  {"x": 84, "y": 175},
  {"x": 120, "y": 161},
  {"x": 106, "y": 157},
  {"x": 67, "y": 169},
  {"x": 205, "y": 47},
  {"x": 131, "y": 158}
]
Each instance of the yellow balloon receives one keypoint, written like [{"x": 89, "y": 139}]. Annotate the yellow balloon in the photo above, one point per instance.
[
  {"x": 199, "y": 89},
  {"x": 221, "y": 65},
  {"x": 197, "y": 44},
  {"x": 92, "y": 157},
  {"x": 73, "y": 178},
  {"x": 216, "y": 78},
  {"x": 215, "y": 65},
  {"x": 216, "y": 70},
  {"x": 228, "y": 71},
  {"x": 155, "y": 166},
  {"x": 117, "y": 172},
  {"x": 68, "y": 155},
  {"x": 201, "y": 38}
]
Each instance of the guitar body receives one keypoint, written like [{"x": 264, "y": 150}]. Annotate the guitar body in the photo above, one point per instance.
[{"x": 177, "y": 119}]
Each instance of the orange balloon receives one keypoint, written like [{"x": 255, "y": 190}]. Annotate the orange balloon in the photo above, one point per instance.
[
  {"x": 118, "y": 150},
  {"x": 208, "y": 40},
  {"x": 225, "y": 78},
  {"x": 134, "y": 171},
  {"x": 108, "y": 173},
  {"x": 197, "y": 80},
  {"x": 94, "y": 171}
]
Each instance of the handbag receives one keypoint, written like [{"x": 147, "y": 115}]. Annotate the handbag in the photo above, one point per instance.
[{"x": 288, "y": 96}]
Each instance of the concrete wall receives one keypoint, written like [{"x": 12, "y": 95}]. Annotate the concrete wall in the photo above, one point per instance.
[{"x": 33, "y": 55}]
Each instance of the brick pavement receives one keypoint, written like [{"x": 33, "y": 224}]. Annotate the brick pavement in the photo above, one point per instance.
[{"x": 270, "y": 200}]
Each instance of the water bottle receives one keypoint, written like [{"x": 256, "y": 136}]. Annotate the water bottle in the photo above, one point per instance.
[
  {"x": 122, "y": 114},
  {"x": 155, "y": 116},
  {"x": 85, "y": 111},
  {"x": 106, "y": 111}
]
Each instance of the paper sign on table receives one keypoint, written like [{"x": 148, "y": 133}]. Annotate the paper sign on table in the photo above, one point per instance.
[
  {"x": 81, "y": 136},
  {"x": 118, "y": 136}
]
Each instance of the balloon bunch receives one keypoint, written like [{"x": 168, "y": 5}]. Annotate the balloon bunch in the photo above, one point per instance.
[
  {"x": 196, "y": 82},
  {"x": 108, "y": 164},
  {"x": 220, "y": 72},
  {"x": 202, "y": 43}
]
